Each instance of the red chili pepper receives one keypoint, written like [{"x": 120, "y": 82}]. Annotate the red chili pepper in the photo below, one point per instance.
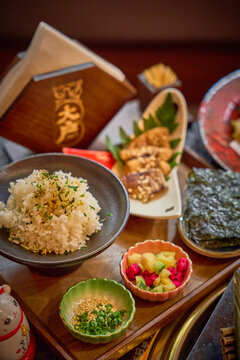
[{"x": 103, "y": 157}]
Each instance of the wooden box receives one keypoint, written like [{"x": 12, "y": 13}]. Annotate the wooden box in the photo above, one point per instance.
[{"x": 68, "y": 107}]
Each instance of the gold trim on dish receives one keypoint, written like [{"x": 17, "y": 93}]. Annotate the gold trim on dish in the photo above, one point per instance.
[
  {"x": 194, "y": 316},
  {"x": 168, "y": 341}
]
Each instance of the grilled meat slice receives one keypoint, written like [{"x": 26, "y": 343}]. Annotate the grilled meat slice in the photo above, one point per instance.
[
  {"x": 146, "y": 163},
  {"x": 158, "y": 136},
  {"x": 144, "y": 185},
  {"x": 162, "y": 153}
]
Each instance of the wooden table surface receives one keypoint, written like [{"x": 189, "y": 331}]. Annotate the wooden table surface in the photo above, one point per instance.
[{"x": 40, "y": 295}]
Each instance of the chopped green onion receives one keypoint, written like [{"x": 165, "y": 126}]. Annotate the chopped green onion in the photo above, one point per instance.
[
  {"x": 39, "y": 187},
  {"x": 45, "y": 174},
  {"x": 73, "y": 187},
  {"x": 105, "y": 320}
]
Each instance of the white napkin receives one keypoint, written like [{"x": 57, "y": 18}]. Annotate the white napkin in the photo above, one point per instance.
[{"x": 48, "y": 51}]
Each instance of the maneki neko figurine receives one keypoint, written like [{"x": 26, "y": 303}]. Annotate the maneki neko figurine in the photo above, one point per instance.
[{"x": 16, "y": 340}]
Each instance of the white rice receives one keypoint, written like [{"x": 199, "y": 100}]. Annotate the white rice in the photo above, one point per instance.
[{"x": 50, "y": 213}]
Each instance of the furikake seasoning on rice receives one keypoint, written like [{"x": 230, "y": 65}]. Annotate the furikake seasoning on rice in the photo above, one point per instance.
[
  {"x": 212, "y": 208},
  {"x": 48, "y": 213}
]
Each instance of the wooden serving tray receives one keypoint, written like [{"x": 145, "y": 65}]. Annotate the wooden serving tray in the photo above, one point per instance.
[{"x": 40, "y": 295}]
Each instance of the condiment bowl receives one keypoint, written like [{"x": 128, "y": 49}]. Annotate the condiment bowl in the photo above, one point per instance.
[
  {"x": 154, "y": 246},
  {"x": 115, "y": 293}
]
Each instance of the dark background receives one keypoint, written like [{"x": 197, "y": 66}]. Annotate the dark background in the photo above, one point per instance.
[{"x": 200, "y": 40}]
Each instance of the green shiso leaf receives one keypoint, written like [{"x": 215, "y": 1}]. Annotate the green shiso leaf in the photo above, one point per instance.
[
  {"x": 149, "y": 123},
  {"x": 172, "y": 161},
  {"x": 166, "y": 114},
  {"x": 114, "y": 149},
  {"x": 124, "y": 137},
  {"x": 136, "y": 129},
  {"x": 174, "y": 143}
]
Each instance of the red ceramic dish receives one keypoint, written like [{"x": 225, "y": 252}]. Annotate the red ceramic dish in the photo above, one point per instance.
[
  {"x": 218, "y": 107},
  {"x": 154, "y": 246}
]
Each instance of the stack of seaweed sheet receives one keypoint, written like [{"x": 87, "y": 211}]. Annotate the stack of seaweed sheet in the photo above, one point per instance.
[{"x": 212, "y": 208}]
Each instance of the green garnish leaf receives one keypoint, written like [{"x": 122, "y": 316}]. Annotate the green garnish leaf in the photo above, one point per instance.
[
  {"x": 166, "y": 114},
  {"x": 174, "y": 143},
  {"x": 109, "y": 214},
  {"x": 124, "y": 137},
  {"x": 136, "y": 129},
  {"x": 92, "y": 207},
  {"x": 149, "y": 123},
  {"x": 114, "y": 149},
  {"x": 172, "y": 161}
]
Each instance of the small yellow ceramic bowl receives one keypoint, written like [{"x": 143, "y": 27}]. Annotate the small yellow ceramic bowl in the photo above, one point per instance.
[{"x": 154, "y": 246}]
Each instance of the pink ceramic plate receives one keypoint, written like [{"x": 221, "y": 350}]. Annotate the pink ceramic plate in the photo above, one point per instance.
[
  {"x": 154, "y": 246},
  {"x": 219, "y": 106}
]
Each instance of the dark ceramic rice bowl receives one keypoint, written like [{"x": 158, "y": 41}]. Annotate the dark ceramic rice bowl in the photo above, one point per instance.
[{"x": 104, "y": 185}]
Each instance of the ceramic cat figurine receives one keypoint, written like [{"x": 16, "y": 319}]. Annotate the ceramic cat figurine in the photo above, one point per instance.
[{"x": 16, "y": 341}]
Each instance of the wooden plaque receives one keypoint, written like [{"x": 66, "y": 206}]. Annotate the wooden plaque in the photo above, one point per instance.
[{"x": 68, "y": 107}]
